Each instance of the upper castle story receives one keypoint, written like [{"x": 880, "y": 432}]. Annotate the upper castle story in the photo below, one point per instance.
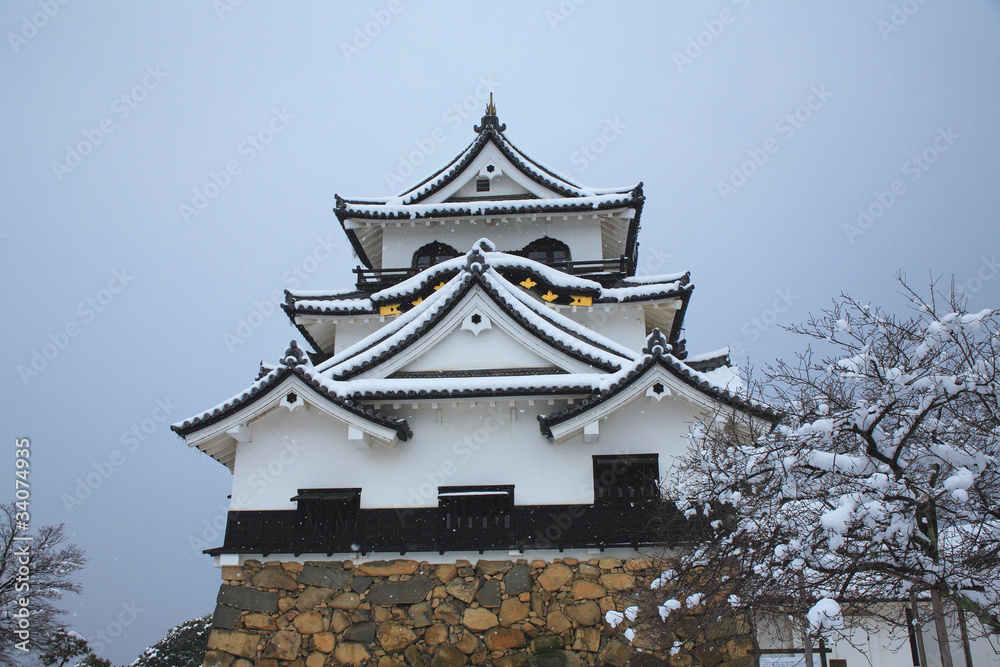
[{"x": 492, "y": 189}]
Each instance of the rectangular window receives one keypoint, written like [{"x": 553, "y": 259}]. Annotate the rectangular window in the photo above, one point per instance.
[
  {"x": 482, "y": 185},
  {"x": 329, "y": 510},
  {"x": 626, "y": 478},
  {"x": 466, "y": 509}
]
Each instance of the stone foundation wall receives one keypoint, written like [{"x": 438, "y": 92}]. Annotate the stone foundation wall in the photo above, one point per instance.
[{"x": 410, "y": 613}]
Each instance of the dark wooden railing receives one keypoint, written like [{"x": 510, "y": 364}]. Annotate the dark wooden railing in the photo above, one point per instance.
[
  {"x": 422, "y": 529},
  {"x": 376, "y": 279}
]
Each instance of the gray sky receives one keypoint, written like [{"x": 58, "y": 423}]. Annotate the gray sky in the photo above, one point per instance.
[{"x": 827, "y": 108}]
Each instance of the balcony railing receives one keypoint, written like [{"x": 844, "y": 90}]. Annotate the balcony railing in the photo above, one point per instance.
[
  {"x": 422, "y": 529},
  {"x": 610, "y": 269}
]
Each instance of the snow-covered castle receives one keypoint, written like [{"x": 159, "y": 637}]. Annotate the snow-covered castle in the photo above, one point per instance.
[{"x": 498, "y": 387}]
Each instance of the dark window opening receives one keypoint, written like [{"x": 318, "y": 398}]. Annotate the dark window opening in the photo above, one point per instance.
[
  {"x": 546, "y": 250},
  {"x": 329, "y": 510},
  {"x": 482, "y": 185},
  {"x": 431, "y": 254},
  {"x": 470, "y": 509},
  {"x": 626, "y": 478}
]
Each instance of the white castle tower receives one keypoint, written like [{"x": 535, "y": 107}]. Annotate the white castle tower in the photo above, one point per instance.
[{"x": 470, "y": 449}]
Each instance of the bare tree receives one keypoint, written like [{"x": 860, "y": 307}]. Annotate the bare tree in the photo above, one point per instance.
[{"x": 37, "y": 571}]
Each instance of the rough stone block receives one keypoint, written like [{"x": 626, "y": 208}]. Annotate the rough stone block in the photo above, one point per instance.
[
  {"x": 237, "y": 643},
  {"x": 512, "y": 611},
  {"x": 284, "y": 645},
  {"x": 503, "y": 639},
  {"x": 225, "y": 617},
  {"x": 309, "y": 623},
  {"x": 546, "y": 644},
  {"x": 330, "y": 577},
  {"x": 218, "y": 659},
  {"x": 555, "y": 576},
  {"x": 274, "y": 577},
  {"x": 394, "y": 636},
  {"x": 411, "y": 591},
  {"x": 363, "y": 632},
  {"x": 448, "y": 656},
  {"x": 479, "y": 619},
  {"x": 248, "y": 599},
  {"x": 352, "y": 654},
  {"x": 489, "y": 595},
  {"x": 361, "y": 584},
  {"x": 463, "y": 590},
  {"x": 382, "y": 568},
  {"x": 493, "y": 567}
]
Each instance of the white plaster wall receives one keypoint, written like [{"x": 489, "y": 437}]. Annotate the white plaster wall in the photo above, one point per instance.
[
  {"x": 887, "y": 646},
  {"x": 469, "y": 445},
  {"x": 624, "y": 324},
  {"x": 491, "y": 348},
  {"x": 350, "y": 331},
  {"x": 582, "y": 236},
  {"x": 499, "y": 186}
]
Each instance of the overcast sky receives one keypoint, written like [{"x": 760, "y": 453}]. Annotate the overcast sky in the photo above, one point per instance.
[{"x": 166, "y": 166}]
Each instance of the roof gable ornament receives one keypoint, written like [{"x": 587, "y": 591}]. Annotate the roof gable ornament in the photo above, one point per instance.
[
  {"x": 475, "y": 260},
  {"x": 656, "y": 344},
  {"x": 490, "y": 119},
  {"x": 294, "y": 356}
]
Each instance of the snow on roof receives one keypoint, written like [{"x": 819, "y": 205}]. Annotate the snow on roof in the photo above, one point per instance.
[
  {"x": 328, "y": 303},
  {"x": 683, "y": 276},
  {"x": 539, "y": 320},
  {"x": 293, "y": 362},
  {"x": 347, "y": 209},
  {"x": 657, "y": 352}
]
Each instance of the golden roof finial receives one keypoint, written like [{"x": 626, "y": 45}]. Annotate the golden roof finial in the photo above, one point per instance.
[{"x": 490, "y": 109}]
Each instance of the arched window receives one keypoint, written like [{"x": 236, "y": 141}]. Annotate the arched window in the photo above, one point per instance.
[
  {"x": 431, "y": 254},
  {"x": 546, "y": 250}
]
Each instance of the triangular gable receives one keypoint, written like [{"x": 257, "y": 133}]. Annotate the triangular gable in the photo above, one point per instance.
[
  {"x": 656, "y": 376},
  {"x": 555, "y": 337},
  {"x": 292, "y": 385},
  {"x": 478, "y": 334},
  {"x": 490, "y": 134}
]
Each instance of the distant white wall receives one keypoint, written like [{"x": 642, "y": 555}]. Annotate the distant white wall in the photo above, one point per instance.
[{"x": 887, "y": 645}]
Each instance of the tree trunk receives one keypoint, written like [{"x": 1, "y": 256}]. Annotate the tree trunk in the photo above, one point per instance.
[
  {"x": 942, "y": 630},
  {"x": 965, "y": 635},
  {"x": 807, "y": 643},
  {"x": 918, "y": 629}
]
